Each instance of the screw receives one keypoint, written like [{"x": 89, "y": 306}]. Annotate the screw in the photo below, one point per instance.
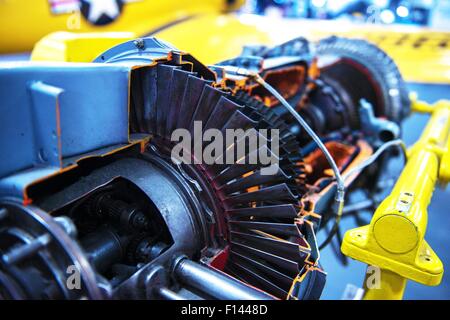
[{"x": 139, "y": 43}]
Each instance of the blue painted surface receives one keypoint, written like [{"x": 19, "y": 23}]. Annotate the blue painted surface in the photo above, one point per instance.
[
  {"x": 438, "y": 222},
  {"x": 88, "y": 102}
]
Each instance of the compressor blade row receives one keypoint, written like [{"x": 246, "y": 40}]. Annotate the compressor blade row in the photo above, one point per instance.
[{"x": 267, "y": 247}]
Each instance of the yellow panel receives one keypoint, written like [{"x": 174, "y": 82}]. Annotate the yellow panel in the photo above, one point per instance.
[
  {"x": 210, "y": 38},
  {"x": 73, "y": 47},
  {"x": 213, "y": 38},
  {"x": 24, "y": 22},
  {"x": 422, "y": 55}
]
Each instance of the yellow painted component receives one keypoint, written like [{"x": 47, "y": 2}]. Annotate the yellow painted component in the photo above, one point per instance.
[
  {"x": 394, "y": 239},
  {"x": 213, "y": 38},
  {"x": 218, "y": 40},
  {"x": 395, "y": 233},
  {"x": 23, "y": 23},
  {"x": 444, "y": 169},
  {"x": 419, "y": 106},
  {"x": 436, "y": 136},
  {"x": 81, "y": 47},
  {"x": 422, "y": 54}
]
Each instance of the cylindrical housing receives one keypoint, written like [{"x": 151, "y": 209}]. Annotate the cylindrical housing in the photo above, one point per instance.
[{"x": 103, "y": 249}]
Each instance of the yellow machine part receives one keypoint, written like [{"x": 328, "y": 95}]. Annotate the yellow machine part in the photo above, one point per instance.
[
  {"x": 216, "y": 42},
  {"x": 421, "y": 55},
  {"x": 394, "y": 239},
  {"x": 214, "y": 38},
  {"x": 201, "y": 28},
  {"x": 73, "y": 47},
  {"x": 24, "y": 22}
]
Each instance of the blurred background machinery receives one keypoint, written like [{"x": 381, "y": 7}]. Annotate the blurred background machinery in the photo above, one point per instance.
[{"x": 407, "y": 30}]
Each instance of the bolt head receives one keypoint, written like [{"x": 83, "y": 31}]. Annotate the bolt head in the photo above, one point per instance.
[{"x": 139, "y": 43}]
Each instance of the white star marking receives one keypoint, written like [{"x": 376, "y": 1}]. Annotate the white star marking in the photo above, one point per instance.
[{"x": 99, "y": 7}]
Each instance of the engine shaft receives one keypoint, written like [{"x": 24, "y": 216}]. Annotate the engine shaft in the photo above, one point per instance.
[{"x": 214, "y": 283}]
